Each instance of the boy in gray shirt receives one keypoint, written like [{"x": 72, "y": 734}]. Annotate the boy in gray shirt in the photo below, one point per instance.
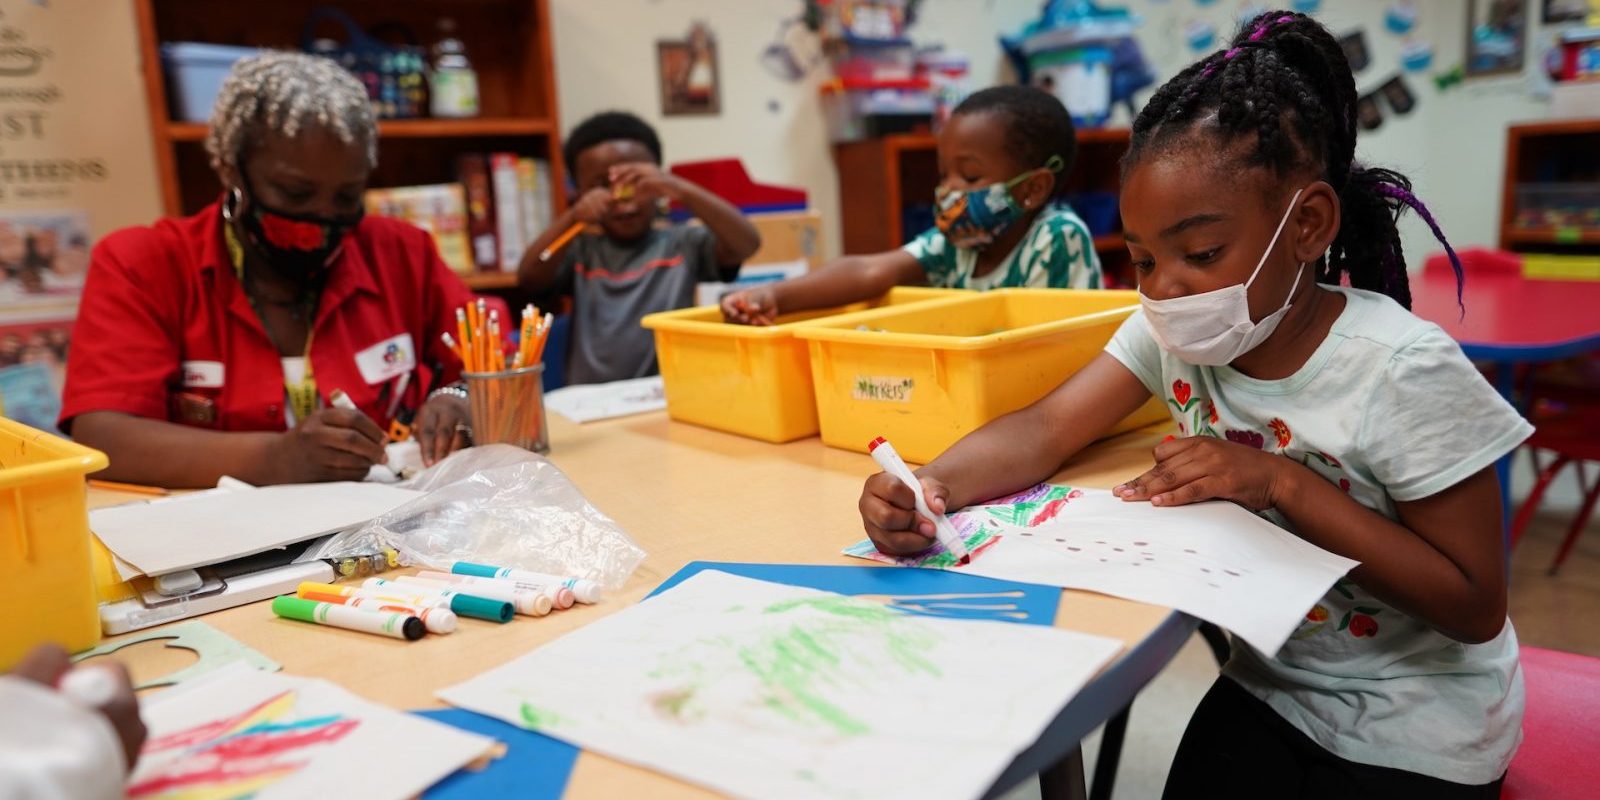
[{"x": 635, "y": 267}]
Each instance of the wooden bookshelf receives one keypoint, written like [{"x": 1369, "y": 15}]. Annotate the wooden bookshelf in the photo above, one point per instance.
[
  {"x": 508, "y": 41},
  {"x": 1549, "y": 153},
  {"x": 879, "y": 179}
]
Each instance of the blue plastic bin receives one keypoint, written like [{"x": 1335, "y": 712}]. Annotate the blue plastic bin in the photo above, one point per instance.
[{"x": 195, "y": 71}]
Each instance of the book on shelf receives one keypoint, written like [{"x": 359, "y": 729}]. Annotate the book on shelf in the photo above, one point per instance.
[
  {"x": 473, "y": 171},
  {"x": 507, "y": 209},
  {"x": 439, "y": 209}
]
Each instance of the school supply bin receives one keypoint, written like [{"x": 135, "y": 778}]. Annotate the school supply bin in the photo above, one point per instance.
[
  {"x": 1547, "y": 266},
  {"x": 46, "y": 585},
  {"x": 748, "y": 380},
  {"x": 926, "y": 375},
  {"x": 195, "y": 71}
]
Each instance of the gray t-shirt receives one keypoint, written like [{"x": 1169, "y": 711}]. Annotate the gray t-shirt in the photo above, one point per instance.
[
  {"x": 1390, "y": 410},
  {"x": 613, "y": 284}
]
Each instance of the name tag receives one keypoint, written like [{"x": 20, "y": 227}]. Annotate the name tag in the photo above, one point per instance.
[
  {"x": 202, "y": 374},
  {"x": 387, "y": 359}
]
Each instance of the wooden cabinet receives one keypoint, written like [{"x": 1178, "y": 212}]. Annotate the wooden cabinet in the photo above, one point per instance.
[
  {"x": 1551, "y": 165},
  {"x": 508, "y": 42}
]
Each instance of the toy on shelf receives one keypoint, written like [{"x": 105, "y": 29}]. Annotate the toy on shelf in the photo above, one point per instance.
[{"x": 1084, "y": 54}]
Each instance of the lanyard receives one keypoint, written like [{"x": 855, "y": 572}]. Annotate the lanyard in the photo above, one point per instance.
[{"x": 302, "y": 394}]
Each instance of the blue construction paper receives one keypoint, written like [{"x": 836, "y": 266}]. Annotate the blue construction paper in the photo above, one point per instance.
[
  {"x": 993, "y": 599},
  {"x": 534, "y": 767}
]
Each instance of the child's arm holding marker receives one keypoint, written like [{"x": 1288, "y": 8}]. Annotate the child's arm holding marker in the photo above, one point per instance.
[
  {"x": 1013, "y": 452},
  {"x": 844, "y": 280}
]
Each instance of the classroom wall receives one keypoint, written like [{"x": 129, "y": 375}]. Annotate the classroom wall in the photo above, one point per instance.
[{"x": 1452, "y": 144}]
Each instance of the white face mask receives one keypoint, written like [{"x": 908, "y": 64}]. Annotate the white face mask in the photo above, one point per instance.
[{"x": 1214, "y": 328}]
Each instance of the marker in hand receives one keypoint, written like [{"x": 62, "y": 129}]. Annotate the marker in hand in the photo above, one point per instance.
[{"x": 946, "y": 533}]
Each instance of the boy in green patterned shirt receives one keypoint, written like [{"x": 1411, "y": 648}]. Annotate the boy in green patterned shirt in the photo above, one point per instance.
[{"x": 998, "y": 222}]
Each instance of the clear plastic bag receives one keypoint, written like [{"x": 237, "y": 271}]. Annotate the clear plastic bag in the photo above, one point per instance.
[{"x": 501, "y": 505}]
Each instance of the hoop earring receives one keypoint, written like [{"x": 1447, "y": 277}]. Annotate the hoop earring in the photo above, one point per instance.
[{"x": 236, "y": 196}]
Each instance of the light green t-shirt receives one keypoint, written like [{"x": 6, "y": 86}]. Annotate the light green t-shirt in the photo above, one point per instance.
[
  {"x": 1057, "y": 252},
  {"x": 1389, "y": 409}
]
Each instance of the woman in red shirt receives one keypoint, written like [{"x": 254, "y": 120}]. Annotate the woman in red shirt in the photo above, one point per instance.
[{"x": 210, "y": 345}]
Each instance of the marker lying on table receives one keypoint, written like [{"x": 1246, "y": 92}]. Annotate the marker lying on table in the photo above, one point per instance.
[
  {"x": 437, "y": 619},
  {"x": 527, "y": 602},
  {"x": 383, "y": 623},
  {"x": 393, "y": 587},
  {"x": 558, "y": 594},
  {"x": 586, "y": 591},
  {"x": 462, "y": 604},
  {"x": 946, "y": 533}
]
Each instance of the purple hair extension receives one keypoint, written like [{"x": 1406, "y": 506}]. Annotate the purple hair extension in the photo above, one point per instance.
[
  {"x": 1416, "y": 204},
  {"x": 1255, "y": 36}
]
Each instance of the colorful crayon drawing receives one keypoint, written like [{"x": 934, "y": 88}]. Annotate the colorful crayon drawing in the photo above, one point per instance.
[
  {"x": 239, "y": 755},
  {"x": 977, "y": 535},
  {"x": 761, "y": 689},
  {"x": 237, "y": 732},
  {"x": 1027, "y": 509}
]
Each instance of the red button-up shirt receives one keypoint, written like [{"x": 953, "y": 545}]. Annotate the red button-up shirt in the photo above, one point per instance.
[{"x": 165, "y": 330}]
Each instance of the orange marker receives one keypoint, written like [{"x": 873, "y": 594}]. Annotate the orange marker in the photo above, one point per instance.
[
  {"x": 435, "y": 619},
  {"x": 131, "y": 488}
]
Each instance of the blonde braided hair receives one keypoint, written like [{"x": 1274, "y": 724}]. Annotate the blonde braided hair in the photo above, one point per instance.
[{"x": 282, "y": 92}]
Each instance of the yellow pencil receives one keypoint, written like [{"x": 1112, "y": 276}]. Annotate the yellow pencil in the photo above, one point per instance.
[
  {"x": 466, "y": 341},
  {"x": 561, "y": 241},
  {"x": 131, "y": 488}
]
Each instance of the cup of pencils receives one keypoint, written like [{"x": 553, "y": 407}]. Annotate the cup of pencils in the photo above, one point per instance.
[{"x": 505, "y": 378}]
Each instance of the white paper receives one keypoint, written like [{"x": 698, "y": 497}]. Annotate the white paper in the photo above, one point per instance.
[
  {"x": 238, "y": 732},
  {"x": 759, "y": 689},
  {"x": 404, "y": 461},
  {"x": 216, "y": 525},
  {"x": 1214, "y": 560},
  {"x": 597, "y": 401}
]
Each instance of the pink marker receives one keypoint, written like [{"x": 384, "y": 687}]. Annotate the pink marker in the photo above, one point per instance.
[{"x": 946, "y": 533}]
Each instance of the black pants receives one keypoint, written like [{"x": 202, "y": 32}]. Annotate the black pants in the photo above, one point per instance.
[{"x": 1237, "y": 746}]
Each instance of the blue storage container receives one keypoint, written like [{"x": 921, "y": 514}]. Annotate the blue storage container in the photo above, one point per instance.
[{"x": 195, "y": 71}]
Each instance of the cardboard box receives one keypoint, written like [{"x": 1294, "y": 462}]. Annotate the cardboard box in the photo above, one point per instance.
[{"x": 788, "y": 236}]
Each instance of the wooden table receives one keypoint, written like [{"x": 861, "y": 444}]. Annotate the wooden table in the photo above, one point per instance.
[{"x": 686, "y": 494}]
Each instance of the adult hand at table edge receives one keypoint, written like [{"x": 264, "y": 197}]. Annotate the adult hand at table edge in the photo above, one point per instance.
[
  {"x": 888, "y": 512},
  {"x": 442, "y": 427}
]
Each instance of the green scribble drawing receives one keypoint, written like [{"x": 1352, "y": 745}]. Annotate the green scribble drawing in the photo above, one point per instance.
[
  {"x": 538, "y": 719},
  {"x": 825, "y": 642}
]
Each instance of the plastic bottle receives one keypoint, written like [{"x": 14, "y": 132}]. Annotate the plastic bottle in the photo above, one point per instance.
[{"x": 453, "y": 83}]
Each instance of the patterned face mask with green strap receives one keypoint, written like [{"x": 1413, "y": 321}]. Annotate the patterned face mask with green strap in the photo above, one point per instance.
[{"x": 974, "y": 219}]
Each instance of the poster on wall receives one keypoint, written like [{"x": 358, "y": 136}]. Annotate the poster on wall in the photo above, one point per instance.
[
  {"x": 1496, "y": 37},
  {"x": 66, "y": 178},
  {"x": 1558, "y": 11},
  {"x": 688, "y": 74}
]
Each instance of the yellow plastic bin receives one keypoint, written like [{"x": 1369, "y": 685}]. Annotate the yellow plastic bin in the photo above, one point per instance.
[
  {"x": 927, "y": 375},
  {"x": 46, "y": 584},
  {"x": 752, "y": 381},
  {"x": 1546, "y": 266}
]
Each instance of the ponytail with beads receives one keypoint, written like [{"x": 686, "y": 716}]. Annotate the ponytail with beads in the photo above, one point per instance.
[{"x": 1285, "y": 81}]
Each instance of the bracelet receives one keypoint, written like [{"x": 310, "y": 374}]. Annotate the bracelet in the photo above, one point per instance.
[{"x": 453, "y": 390}]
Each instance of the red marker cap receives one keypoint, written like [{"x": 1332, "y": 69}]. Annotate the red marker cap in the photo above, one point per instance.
[{"x": 873, "y": 445}]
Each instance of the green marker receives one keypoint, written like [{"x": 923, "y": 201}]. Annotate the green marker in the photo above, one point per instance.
[{"x": 384, "y": 623}]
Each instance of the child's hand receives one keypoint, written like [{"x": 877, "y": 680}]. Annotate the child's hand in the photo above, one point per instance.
[
  {"x": 1198, "y": 468},
  {"x": 646, "y": 179},
  {"x": 48, "y": 665},
  {"x": 592, "y": 206},
  {"x": 758, "y": 306},
  {"x": 888, "y": 510}
]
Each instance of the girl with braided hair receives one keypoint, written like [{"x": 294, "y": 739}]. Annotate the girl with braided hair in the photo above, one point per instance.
[
  {"x": 219, "y": 338},
  {"x": 1274, "y": 323}
]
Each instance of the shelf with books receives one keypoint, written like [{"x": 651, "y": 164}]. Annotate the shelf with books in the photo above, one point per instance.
[{"x": 412, "y": 128}]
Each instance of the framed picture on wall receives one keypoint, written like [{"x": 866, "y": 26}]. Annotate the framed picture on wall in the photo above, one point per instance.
[
  {"x": 1497, "y": 35},
  {"x": 1565, "y": 11},
  {"x": 690, "y": 83}
]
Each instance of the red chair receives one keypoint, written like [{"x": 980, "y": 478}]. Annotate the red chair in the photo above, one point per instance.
[
  {"x": 1573, "y": 436},
  {"x": 1560, "y": 753}
]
